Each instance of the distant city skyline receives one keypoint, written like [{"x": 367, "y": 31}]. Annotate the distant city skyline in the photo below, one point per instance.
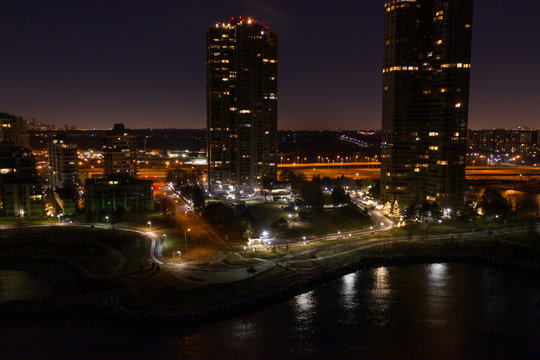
[{"x": 94, "y": 63}]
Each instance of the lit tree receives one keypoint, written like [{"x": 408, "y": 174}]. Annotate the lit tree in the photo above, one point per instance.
[
  {"x": 395, "y": 211},
  {"x": 387, "y": 208}
]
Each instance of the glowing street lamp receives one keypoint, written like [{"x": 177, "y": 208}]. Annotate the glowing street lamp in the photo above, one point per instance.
[
  {"x": 185, "y": 236},
  {"x": 107, "y": 219},
  {"x": 150, "y": 225}
]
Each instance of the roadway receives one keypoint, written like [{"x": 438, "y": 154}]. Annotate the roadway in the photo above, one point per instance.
[{"x": 372, "y": 171}]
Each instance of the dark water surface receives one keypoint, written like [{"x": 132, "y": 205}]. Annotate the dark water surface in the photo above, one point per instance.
[{"x": 437, "y": 311}]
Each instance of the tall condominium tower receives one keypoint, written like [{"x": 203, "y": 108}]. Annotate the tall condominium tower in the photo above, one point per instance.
[
  {"x": 62, "y": 164},
  {"x": 241, "y": 78},
  {"x": 120, "y": 152},
  {"x": 427, "y": 52}
]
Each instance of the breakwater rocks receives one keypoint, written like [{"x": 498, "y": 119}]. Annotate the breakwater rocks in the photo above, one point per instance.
[
  {"x": 109, "y": 303},
  {"x": 236, "y": 306}
]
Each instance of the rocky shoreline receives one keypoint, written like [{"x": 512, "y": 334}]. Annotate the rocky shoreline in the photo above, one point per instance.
[{"x": 109, "y": 303}]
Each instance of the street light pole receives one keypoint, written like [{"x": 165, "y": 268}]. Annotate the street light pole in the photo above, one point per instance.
[
  {"x": 185, "y": 236},
  {"x": 107, "y": 218}
]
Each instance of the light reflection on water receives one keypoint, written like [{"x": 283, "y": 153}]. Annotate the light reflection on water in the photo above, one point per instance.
[
  {"x": 243, "y": 332},
  {"x": 439, "y": 311},
  {"x": 348, "y": 292},
  {"x": 380, "y": 296},
  {"x": 438, "y": 293},
  {"x": 304, "y": 309}
]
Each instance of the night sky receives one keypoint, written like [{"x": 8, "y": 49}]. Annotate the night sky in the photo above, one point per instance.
[{"x": 95, "y": 62}]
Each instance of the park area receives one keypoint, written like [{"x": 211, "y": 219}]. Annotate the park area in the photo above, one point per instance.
[{"x": 91, "y": 251}]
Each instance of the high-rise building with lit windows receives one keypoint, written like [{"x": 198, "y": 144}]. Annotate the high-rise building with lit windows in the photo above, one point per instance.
[
  {"x": 120, "y": 152},
  {"x": 427, "y": 53},
  {"x": 241, "y": 78},
  {"x": 62, "y": 164}
]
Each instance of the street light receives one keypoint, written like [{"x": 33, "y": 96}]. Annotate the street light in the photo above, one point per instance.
[
  {"x": 304, "y": 248},
  {"x": 150, "y": 225},
  {"x": 179, "y": 255},
  {"x": 107, "y": 218},
  {"x": 185, "y": 236}
]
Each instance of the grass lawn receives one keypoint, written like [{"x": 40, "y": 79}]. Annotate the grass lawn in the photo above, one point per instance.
[
  {"x": 329, "y": 221},
  {"x": 269, "y": 276},
  {"x": 264, "y": 214},
  {"x": 308, "y": 264},
  {"x": 101, "y": 251},
  {"x": 235, "y": 259},
  {"x": 265, "y": 254},
  {"x": 27, "y": 220}
]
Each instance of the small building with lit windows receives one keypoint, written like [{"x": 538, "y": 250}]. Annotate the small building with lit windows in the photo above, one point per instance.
[{"x": 113, "y": 194}]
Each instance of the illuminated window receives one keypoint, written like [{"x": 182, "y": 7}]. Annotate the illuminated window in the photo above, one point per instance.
[
  {"x": 433, "y": 133},
  {"x": 434, "y": 148},
  {"x": 439, "y": 42},
  {"x": 442, "y": 162},
  {"x": 458, "y": 105}
]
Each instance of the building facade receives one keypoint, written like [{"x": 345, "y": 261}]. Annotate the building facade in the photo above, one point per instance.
[
  {"x": 14, "y": 129},
  {"x": 110, "y": 195},
  {"x": 119, "y": 190},
  {"x": 505, "y": 141},
  {"x": 120, "y": 152},
  {"x": 21, "y": 192},
  {"x": 62, "y": 164},
  {"x": 241, "y": 78},
  {"x": 427, "y": 52}
]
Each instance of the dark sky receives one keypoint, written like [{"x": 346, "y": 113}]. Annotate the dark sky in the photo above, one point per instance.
[{"x": 95, "y": 62}]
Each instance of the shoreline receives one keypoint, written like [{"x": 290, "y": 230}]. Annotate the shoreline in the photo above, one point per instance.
[{"x": 109, "y": 303}]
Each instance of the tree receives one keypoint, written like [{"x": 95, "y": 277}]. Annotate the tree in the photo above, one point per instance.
[
  {"x": 468, "y": 212},
  {"x": 395, "y": 211},
  {"x": 268, "y": 185},
  {"x": 436, "y": 211},
  {"x": 198, "y": 198},
  {"x": 387, "y": 208},
  {"x": 339, "y": 196},
  {"x": 287, "y": 175},
  {"x": 493, "y": 203},
  {"x": 410, "y": 214},
  {"x": 375, "y": 190},
  {"x": 248, "y": 232},
  {"x": 312, "y": 195}
]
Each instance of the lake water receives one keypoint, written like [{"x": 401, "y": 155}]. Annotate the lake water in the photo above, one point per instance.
[
  {"x": 434, "y": 311},
  {"x": 18, "y": 285}
]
